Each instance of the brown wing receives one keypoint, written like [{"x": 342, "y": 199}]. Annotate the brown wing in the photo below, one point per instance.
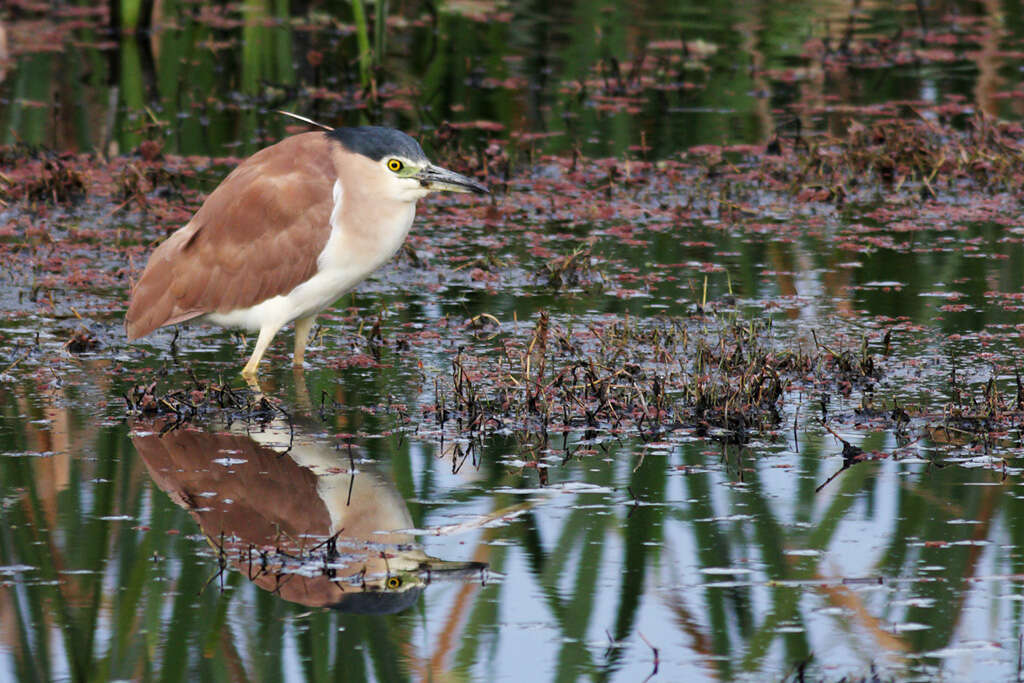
[
  {"x": 256, "y": 236},
  {"x": 258, "y": 497}
]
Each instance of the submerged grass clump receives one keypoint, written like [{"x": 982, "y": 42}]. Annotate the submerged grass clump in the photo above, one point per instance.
[
  {"x": 57, "y": 182},
  {"x": 985, "y": 155},
  {"x": 204, "y": 400},
  {"x": 720, "y": 378},
  {"x": 575, "y": 269},
  {"x": 981, "y": 419}
]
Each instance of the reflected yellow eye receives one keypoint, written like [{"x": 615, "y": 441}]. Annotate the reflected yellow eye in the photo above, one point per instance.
[
  {"x": 394, "y": 581},
  {"x": 396, "y": 166}
]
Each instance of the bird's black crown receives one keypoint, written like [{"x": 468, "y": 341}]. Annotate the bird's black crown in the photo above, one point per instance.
[{"x": 377, "y": 142}]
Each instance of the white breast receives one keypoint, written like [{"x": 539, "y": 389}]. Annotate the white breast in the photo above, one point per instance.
[{"x": 347, "y": 259}]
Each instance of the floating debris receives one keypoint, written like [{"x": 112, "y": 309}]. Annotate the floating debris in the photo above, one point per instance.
[{"x": 205, "y": 399}]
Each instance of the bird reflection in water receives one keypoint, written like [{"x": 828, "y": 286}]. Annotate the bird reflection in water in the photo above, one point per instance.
[{"x": 299, "y": 517}]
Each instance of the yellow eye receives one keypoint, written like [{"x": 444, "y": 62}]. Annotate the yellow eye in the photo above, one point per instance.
[
  {"x": 394, "y": 581},
  {"x": 396, "y": 166}
]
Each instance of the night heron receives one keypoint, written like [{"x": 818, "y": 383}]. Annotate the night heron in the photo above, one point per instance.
[{"x": 289, "y": 231}]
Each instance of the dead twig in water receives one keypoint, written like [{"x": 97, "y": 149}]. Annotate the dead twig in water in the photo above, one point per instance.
[
  {"x": 851, "y": 455},
  {"x": 654, "y": 672}
]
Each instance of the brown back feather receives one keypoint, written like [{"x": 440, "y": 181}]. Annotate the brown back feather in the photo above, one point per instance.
[{"x": 256, "y": 236}]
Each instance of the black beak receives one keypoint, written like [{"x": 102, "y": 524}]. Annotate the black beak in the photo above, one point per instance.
[{"x": 441, "y": 179}]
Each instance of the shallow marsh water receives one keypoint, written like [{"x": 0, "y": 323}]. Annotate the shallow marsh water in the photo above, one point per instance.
[{"x": 620, "y": 227}]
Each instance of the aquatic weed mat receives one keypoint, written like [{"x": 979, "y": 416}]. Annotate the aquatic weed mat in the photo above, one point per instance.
[
  {"x": 701, "y": 257},
  {"x": 561, "y": 387},
  {"x": 639, "y": 378},
  {"x": 81, "y": 223}
]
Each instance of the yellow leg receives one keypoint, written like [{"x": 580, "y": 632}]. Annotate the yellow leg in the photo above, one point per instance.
[
  {"x": 302, "y": 329},
  {"x": 252, "y": 368},
  {"x": 301, "y": 392},
  {"x": 254, "y": 385}
]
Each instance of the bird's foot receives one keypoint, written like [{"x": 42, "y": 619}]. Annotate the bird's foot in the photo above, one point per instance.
[{"x": 252, "y": 378}]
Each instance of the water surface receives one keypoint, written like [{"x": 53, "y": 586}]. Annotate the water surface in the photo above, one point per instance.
[{"x": 614, "y": 549}]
